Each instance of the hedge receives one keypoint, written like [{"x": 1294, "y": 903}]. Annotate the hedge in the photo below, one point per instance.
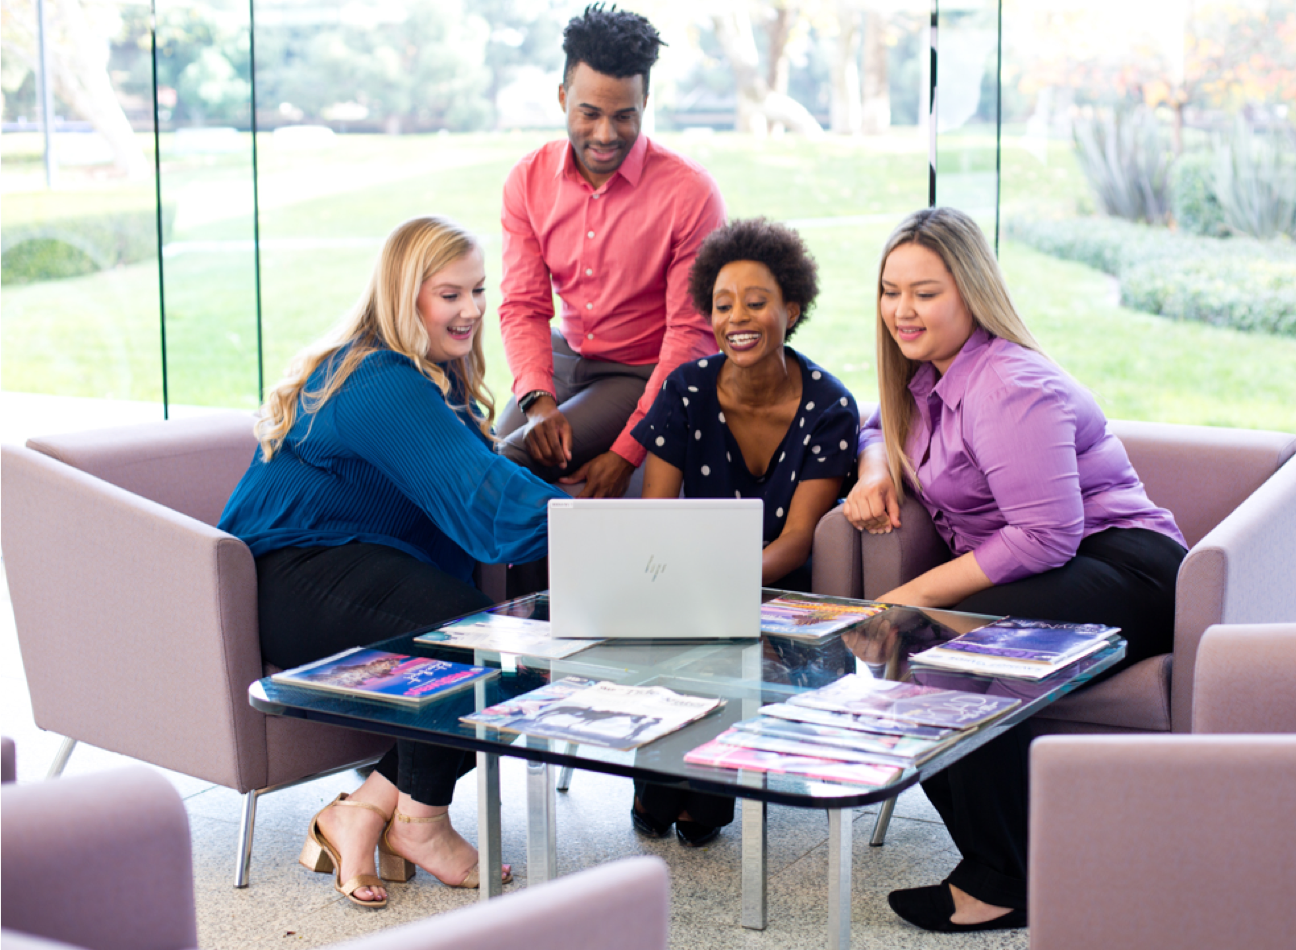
[
  {"x": 71, "y": 246},
  {"x": 1237, "y": 282}
]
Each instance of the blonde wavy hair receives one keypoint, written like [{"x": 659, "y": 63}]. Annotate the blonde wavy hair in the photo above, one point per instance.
[
  {"x": 385, "y": 318},
  {"x": 957, "y": 240}
]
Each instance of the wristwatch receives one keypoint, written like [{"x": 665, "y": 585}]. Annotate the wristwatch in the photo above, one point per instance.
[{"x": 529, "y": 400}]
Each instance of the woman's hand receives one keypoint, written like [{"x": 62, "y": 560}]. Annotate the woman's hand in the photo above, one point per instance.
[{"x": 873, "y": 505}]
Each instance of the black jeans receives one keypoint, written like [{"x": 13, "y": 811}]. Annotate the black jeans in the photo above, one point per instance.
[
  {"x": 1123, "y": 577},
  {"x": 314, "y": 602}
]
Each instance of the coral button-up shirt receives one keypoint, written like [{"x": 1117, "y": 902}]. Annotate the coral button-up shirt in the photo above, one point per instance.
[
  {"x": 618, "y": 258},
  {"x": 1015, "y": 461}
]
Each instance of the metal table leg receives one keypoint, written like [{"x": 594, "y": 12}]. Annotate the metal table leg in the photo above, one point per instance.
[
  {"x": 755, "y": 852},
  {"x": 489, "y": 859},
  {"x": 542, "y": 850},
  {"x": 839, "y": 877}
]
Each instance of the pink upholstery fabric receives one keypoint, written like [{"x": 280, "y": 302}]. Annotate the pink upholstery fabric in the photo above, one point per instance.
[
  {"x": 187, "y": 465},
  {"x": 99, "y": 861},
  {"x": 622, "y": 905},
  {"x": 1246, "y": 679},
  {"x": 1162, "y": 842},
  {"x": 1240, "y": 573},
  {"x": 8, "y": 760},
  {"x": 1138, "y": 699}
]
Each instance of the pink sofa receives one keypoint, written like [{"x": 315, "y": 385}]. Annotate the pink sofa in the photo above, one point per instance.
[
  {"x": 137, "y": 618},
  {"x": 1233, "y": 494},
  {"x": 1176, "y": 842},
  {"x": 103, "y": 862}
]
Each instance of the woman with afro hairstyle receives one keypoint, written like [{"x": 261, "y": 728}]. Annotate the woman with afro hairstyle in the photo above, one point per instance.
[{"x": 755, "y": 420}]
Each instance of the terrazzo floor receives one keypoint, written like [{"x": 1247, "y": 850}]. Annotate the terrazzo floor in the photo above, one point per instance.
[{"x": 287, "y": 906}]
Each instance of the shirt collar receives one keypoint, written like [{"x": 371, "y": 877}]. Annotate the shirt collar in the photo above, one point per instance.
[
  {"x": 952, "y": 386},
  {"x": 631, "y": 169}
]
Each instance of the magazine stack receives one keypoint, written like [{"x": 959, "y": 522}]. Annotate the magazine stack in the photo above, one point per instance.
[
  {"x": 858, "y": 730},
  {"x": 1018, "y": 649}
]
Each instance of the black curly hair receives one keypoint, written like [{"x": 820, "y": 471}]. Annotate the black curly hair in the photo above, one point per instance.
[
  {"x": 766, "y": 242},
  {"x": 613, "y": 42}
]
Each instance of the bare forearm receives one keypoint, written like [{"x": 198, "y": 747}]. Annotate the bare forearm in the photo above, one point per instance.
[{"x": 942, "y": 586}]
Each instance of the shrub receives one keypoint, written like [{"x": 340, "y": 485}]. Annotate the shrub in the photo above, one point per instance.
[
  {"x": 72, "y": 246},
  {"x": 1126, "y": 163},
  {"x": 1255, "y": 182},
  {"x": 1238, "y": 282},
  {"x": 1193, "y": 203}
]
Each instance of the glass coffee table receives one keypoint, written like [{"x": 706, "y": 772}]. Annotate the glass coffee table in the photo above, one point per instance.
[{"x": 747, "y": 674}]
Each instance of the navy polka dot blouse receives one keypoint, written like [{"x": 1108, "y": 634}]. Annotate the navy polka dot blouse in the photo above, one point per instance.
[{"x": 686, "y": 427}]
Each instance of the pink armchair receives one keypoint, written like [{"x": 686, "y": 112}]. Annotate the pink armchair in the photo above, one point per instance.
[
  {"x": 1176, "y": 842},
  {"x": 67, "y": 842},
  {"x": 1233, "y": 494},
  {"x": 137, "y": 618}
]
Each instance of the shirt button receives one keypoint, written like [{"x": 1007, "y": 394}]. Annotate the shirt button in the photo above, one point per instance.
[
  {"x": 589, "y": 336},
  {"x": 589, "y": 234},
  {"x": 589, "y": 306},
  {"x": 598, "y": 195},
  {"x": 589, "y": 272}
]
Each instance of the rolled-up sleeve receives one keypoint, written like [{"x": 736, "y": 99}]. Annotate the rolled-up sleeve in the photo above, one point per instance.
[
  {"x": 1023, "y": 440},
  {"x": 870, "y": 432}
]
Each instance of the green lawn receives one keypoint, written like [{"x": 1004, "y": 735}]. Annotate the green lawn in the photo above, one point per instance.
[{"x": 324, "y": 215}]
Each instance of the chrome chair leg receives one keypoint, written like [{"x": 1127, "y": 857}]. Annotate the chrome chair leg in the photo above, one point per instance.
[
  {"x": 883, "y": 821},
  {"x": 61, "y": 758},
  {"x": 247, "y": 825}
]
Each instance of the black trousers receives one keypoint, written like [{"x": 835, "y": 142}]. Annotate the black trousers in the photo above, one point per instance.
[
  {"x": 1123, "y": 577},
  {"x": 314, "y": 602}
]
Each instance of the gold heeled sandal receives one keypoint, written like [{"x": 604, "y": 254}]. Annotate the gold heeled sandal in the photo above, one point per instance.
[
  {"x": 393, "y": 867},
  {"x": 318, "y": 854}
]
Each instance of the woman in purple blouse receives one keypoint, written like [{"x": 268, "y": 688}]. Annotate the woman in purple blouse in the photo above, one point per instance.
[{"x": 1042, "y": 511}]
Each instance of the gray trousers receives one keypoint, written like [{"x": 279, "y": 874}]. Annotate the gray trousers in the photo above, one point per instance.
[{"x": 597, "y": 397}]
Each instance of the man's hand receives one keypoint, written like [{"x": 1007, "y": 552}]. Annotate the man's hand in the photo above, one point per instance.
[
  {"x": 548, "y": 434},
  {"x": 872, "y": 505},
  {"x": 605, "y": 476}
]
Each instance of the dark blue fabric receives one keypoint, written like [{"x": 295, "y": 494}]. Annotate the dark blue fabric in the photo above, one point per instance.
[
  {"x": 387, "y": 460},
  {"x": 686, "y": 428}
]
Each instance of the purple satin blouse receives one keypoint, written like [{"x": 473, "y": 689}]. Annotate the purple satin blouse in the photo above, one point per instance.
[{"x": 1015, "y": 462}]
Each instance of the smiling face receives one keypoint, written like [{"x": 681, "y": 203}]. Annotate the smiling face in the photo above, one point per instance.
[
  {"x": 922, "y": 308},
  {"x": 748, "y": 315},
  {"x": 603, "y": 119},
  {"x": 451, "y": 304}
]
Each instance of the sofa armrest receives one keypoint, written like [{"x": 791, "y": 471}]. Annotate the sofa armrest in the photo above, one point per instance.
[
  {"x": 1240, "y": 573},
  {"x": 99, "y": 861},
  {"x": 835, "y": 557},
  {"x": 137, "y": 625},
  {"x": 1246, "y": 679},
  {"x": 624, "y": 904},
  {"x": 8, "y": 761},
  {"x": 890, "y": 560},
  {"x": 1128, "y": 849}
]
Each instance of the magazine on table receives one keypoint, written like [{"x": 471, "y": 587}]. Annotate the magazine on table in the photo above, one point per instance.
[
  {"x": 771, "y": 743},
  {"x": 1029, "y": 649},
  {"x": 908, "y": 702},
  {"x": 880, "y": 725},
  {"x": 615, "y": 716},
  {"x": 528, "y": 704},
  {"x": 504, "y": 633},
  {"x": 806, "y": 619},
  {"x": 902, "y": 749},
  {"x": 726, "y": 756},
  {"x": 389, "y": 677}
]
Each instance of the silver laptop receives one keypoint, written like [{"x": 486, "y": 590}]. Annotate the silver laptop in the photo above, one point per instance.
[{"x": 680, "y": 568}]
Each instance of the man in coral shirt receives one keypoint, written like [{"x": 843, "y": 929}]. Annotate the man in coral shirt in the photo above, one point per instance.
[{"x": 610, "y": 221}]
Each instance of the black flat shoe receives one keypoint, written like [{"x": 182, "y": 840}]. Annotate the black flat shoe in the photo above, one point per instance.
[
  {"x": 693, "y": 834},
  {"x": 646, "y": 826},
  {"x": 932, "y": 907}
]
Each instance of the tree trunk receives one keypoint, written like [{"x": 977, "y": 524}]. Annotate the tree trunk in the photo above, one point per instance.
[
  {"x": 779, "y": 29},
  {"x": 845, "y": 108},
  {"x": 758, "y": 104},
  {"x": 876, "y": 118}
]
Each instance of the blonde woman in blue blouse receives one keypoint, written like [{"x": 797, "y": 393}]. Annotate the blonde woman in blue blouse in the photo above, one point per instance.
[{"x": 375, "y": 489}]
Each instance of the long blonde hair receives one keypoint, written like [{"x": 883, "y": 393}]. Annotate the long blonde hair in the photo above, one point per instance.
[
  {"x": 385, "y": 318},
  {"x": 957, "y": 240}
]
